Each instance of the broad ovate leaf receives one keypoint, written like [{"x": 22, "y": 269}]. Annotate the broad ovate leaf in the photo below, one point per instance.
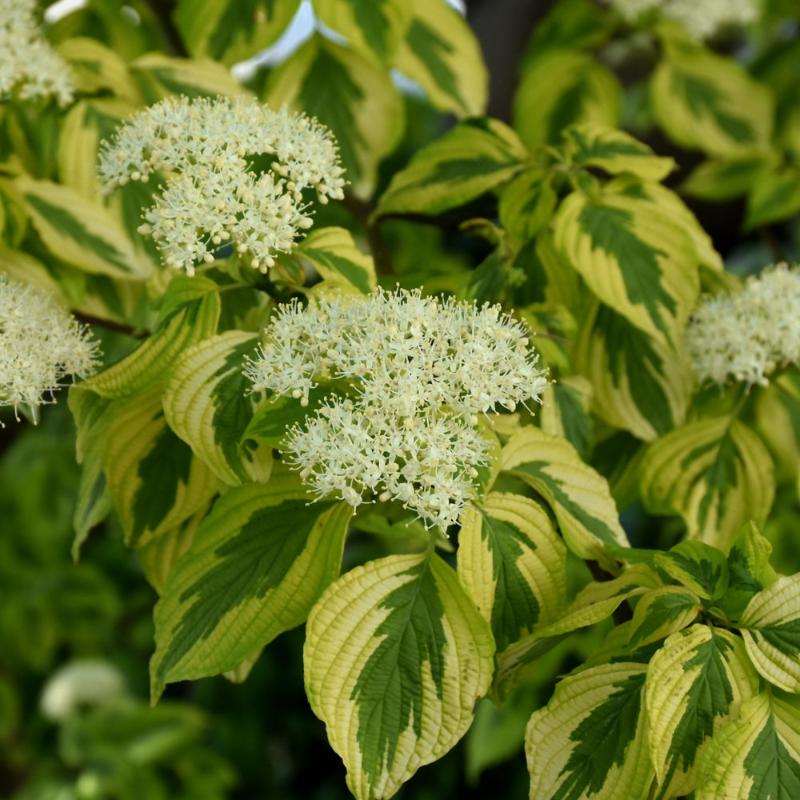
[
  {"x": 637, "y": 260},
  {"x": 471, "y": 159},
  {"x": 559, "y": 88},
  {"x": 715, "y": 473},
  {"x": 81, "y": 232},
  {"x": 336, "y": 258},
  {"x": 396, "y": 656},
  {"x": 440, "y": 52},
  {"x": 771, "y": 630},
  {"x": 708, "y": 102},
  {"x": 206, "y": 402},
  {"x": 153, "y": 478},
  {"x": 756, "y": 755},
  {"x": 578, "y": 496},
  {"x": 257, "y": 564},
  {"x": 512, "y": 564},
  {"x": 591, "y": 740},
  {"x": 695, "y": 682}
]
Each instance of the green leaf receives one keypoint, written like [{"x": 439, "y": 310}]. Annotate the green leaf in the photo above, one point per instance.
[
  {"x": 565, "y": 412},
  {"x": 633, "y": 256},
  {"x": 638, "y": 383},
  {"x": 395, "y": 658},
  {"x": 257, "y": 564},
  {"x": 771, "y": 630},
  {"x": 594, "y": 603},
  {"x": 778, "y": 421},
  {"x": 577, "y": 494},
  {"x": 749, "y": 568},
  {"x": 206, "y": 402},
  {"x": 527, "y": 204},
  {"x": 80, "y": 232},
  {"x": 512, "y": 564},
  {"x": 154, "y": 480},
  {"x": 471, "y": 159},
  {"x": 373, "y": 27},
  {"x": 698, "y": 567},
  {"x": 615, "y": 152},
  {"x": 440, "y": 52},
  {"x": 160, "y": 75},
  {"x": 97, "y": 68},
  {"x": 661, "y": 612},
  {"x": 725, "y": 179},
  {"x": 149, "y": 364},
  {"x": 351, "y": 95},
  {"x": 571, "y": 23},
  {"x": 232, "y": 30},
  {"x": 337, "y": 260},
  {"x": 695, "y": 682},
  {"x": 715, "y": 473},
  {"x": 756, "y": 755},
  {"x": 560, "y": 88},
  {"x": 774, "y": 197},
  {"x": 709, "y": 103},
  {"x": 590, "y": 740}
]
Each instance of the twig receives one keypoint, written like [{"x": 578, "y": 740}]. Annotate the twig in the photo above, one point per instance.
[{"x": 110, "y": 325}]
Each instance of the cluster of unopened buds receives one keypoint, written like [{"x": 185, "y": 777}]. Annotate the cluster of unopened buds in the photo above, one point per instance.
[
  {"x": 406, "y": 379},
  {"x": 745, "y": 336},
  {"x": 211, "y": 196},
  {"x": 40, "y": 344}
]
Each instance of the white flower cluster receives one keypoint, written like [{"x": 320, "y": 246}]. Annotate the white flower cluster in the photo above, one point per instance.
[
  {"x": 701, "y": 18},
  {"x": 86, "y": 682},
  {"x": 40, "y": 344},
  {"x": 745, "y": 336},
  {"x": 203, "y": 149},
  {"x": 418, "y": 373},
  {"x": 28, "y": 64}
]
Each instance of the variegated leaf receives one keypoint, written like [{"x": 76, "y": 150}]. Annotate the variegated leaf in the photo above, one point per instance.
[
  {"x": 159, "y": 75},
  {"x": 615, "y": 152},
  {"x": 715, "y": 473},
  {"x": 396, "y": 656},
  {"x": 639, "y": 383},
  {"x": 559, "y": 88},
  {"x": 257, "y": 564},
  {"x": 206, "y": 402},
  {"x": 594, "y": 603},
  {"x": 590, "y": 740},
  {"x": 154, "y": 480},
  {"x": 468, "y": 161},
  {"x": 661, "y": 612},
  {"x": 512, "y": 564},
  {"x": 697, "y": 566},
  {"x": 565, "y": 412},
  {"x": 440, "y": 52},
  {"x": 578, "y": 495},
  {"x": 637, "y": 260},
  {"x": 695, "y": 682},
  {"x": 708, "y": 102},
  {"x": 771, "y": 630},
  {"x": 756, "y": 756},
  {"x": 749, "y": 568},
  {"x": 334, "y": 256}
]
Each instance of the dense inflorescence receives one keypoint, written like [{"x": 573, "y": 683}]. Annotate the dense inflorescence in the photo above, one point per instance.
[
  {"x": 40, "y": 344},
  {"x": 701, "y": 20},
  {"x": 419, "y": 373},
  {"x": 745, "y": 336},
  {"x": 29, "y": 66},
  {"x": 212, "y": 194}
]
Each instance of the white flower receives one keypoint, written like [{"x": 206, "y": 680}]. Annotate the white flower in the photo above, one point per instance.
[
  {"x": 28, "y": 64},
  {"x": 420, "y": 371},
  {"x": 701, "y": 18},
  {"x": 84, "y": 682},
  {"x": 40, "y": 344},
  {"x": 745, "y": 336},
  {"x": 212, "y": 195}
]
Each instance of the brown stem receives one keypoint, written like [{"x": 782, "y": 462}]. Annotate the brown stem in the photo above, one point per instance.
[{"x": 110, "y": 325}]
